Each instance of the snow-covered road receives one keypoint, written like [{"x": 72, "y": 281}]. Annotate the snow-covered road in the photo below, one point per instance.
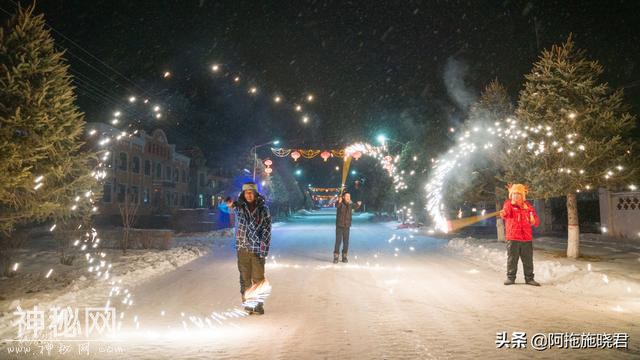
[{"x": 401, "y": 296}]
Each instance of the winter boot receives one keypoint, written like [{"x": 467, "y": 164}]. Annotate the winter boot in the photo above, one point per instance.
[
  {"x": 509, "y": 282},
  {"x": 259, "y": 309},
  {"x": 335, "y": 258},
  {"x": 532, "y": 282},
  {"x": 344, "y": 258}
]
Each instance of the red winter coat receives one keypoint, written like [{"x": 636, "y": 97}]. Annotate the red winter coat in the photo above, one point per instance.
[{"x": 518, "y": 227}]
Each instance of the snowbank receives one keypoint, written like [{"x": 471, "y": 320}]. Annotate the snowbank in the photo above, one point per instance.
[
  {"x": 603, "y": 278},
  {"x": 75, "y": 286}
]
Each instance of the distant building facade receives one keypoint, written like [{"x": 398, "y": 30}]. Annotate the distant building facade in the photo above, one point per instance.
[
  {"x": 146, "y": 167},
  {"x": 208, "y": 185}
]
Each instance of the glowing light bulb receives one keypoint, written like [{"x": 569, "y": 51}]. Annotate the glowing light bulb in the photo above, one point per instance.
[
  {"x": 310, "y": 98},
  {"x": 253, "y": 90},
  {"x": 215, "y": 67},
  {"x": 132, "y": 99},
  {"x": 277, "y": 99},
  {"x": 166, "y": 74}
]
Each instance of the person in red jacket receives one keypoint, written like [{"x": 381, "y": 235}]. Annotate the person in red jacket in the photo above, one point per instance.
[{"x": 520, "y": 217}]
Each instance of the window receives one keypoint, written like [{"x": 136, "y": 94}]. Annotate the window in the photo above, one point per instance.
[
  {"x": 145, "y": 198},
  {"x": 200, "y": 200},
  {"x": 175, "y": 199},
  {"x": 167, "y": 199},
  {"x": 135, "y": 165},
  {"x": 106, "y": 193},
  {"x": 184, "y": 176},
  {"x": 122, "y": 190},
  {"x": 167, "y": 174},
  {"x": 134, "y": 195},
  {"x": 147, "y": 168},
  {"x": 176, "y": 175},
  {"x": 158, "y": 171},
  {"x": 201, "y": 177},
  {"x": 122, "y": 163}
]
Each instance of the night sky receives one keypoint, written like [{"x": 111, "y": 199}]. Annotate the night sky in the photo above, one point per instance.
[{"x": 399, "y": 67}]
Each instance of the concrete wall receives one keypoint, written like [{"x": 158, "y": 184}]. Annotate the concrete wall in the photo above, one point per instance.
[{"x": 620, "y": 213}]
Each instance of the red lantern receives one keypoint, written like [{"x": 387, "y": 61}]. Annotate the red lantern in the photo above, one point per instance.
[
  {"x": 356, "y": 155},
  {"x": 268, "y": 170},
  {"x": 296, "y": 155},
  {"x": 268, "y": 162},
  {"x": 325, "y": 155}
]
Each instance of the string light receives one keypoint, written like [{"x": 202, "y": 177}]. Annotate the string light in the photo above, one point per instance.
[
  {"x": 90, "y": 240},
  {"x": 509, "y": 133}
]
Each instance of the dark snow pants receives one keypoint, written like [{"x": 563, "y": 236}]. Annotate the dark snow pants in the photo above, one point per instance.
[
  {"x": 342, "y": 237},
  {"x": 519, "y": 250},
  {"x": 251, "y": 267}
]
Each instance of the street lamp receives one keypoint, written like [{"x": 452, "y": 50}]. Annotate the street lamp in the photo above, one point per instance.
[
  {"x": 255, "y": 155},
  {"x": 382, "y": 139}
]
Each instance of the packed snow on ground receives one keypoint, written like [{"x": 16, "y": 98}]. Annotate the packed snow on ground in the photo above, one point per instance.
[
  {"x": 604, "y": 275},
  {"x": 75, "y": 286},
  {"x": 402, "y": 295}
]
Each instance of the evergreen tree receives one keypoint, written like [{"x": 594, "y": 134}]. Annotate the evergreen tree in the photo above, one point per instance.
[
  {"x": 493, "y": 106},
  {"x": 577, "y": 131},
  {"x": 43, "y": 168}
]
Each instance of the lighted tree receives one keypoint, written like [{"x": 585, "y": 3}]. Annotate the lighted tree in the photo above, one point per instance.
[
  {"x": 577, "y": 132},
  {"x": 493, "y": 107},
  {"x": 44, "y": 172}
]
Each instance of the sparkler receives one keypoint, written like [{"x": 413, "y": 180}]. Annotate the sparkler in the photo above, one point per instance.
[
  {"x": 512, "y": 135},
  {"x": 257, "y": 293}
]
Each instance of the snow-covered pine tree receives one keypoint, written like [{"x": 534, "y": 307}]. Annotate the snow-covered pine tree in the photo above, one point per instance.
[
  {"x": 40, "y": 132},
  {"x": 577, "y": 129}
]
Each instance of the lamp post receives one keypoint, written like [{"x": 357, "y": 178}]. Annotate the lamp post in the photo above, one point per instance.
[
  {"x": 382, "y": 139},
  {"x": 255, "y": 155}
]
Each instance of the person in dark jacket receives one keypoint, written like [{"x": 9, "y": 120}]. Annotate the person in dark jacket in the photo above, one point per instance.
[
  {"x": 519, "y": 216},
  {"x": 253, "y": 238},
  {"x": 344, "y": 210}
]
